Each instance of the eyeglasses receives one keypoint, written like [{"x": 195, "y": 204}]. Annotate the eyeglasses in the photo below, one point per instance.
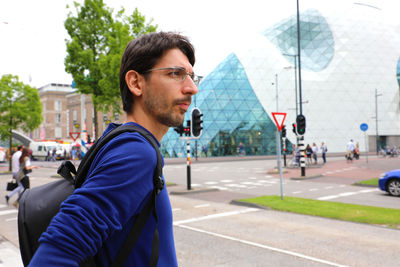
[{"x": 179, "y": 74}]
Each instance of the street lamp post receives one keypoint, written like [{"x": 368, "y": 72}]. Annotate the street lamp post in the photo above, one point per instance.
[
  {"x": 376, "y": 120},
  {"x": 301, "y": 143}
]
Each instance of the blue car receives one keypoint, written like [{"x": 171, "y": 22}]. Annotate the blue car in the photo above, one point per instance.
[{"x": 390, "y": 182}]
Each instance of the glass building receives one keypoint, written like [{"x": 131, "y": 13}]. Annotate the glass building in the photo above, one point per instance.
[{"x": 348, "y": 51}]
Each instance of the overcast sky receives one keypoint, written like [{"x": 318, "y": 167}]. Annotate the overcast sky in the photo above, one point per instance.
[{"x": 33, "y": 36}]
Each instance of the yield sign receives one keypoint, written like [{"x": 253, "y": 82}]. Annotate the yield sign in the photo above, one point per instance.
[{"x": 279, "y": 118}]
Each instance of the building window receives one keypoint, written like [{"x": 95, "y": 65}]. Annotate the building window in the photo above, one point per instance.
[
  {"x": 58, "y": 118},
  {"x": 57, "y": 132},
  {"x": 57, "y": 105},
  {"x": 74, "y": 115}
]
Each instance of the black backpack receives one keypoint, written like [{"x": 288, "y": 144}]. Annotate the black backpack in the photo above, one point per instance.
[{"x": 39, "y": 205}]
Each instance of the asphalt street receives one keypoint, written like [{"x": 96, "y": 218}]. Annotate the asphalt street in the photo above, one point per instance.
[{"x": 209, "y": 231}]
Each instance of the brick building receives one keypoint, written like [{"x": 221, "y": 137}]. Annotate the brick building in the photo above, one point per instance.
[{"x": 65, "y": 111}]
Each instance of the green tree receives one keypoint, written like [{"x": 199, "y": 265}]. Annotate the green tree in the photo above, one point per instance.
[
  {"x": 98, "y": 39},
  {"x": 20, "y": 107}
]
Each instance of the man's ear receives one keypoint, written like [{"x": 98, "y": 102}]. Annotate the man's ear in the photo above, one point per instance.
[{"x": 135, "y": 82}]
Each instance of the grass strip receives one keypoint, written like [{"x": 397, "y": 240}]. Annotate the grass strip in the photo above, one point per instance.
[
  {"x": 336, "y": 210},
  {"x": 373, "y": 181}
]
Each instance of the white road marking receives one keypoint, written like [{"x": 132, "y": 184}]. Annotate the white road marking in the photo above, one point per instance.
[
  {"x": 176, "y": 209},
  {"x": 11, "y": 219},
  {"x": 202, "y": 206},
  {"x": 196, "y": 185},
  {"x": 345, "y": 194},
  {"x": 328, "y": 187},
  {"x": 5, "y": 212},
  {"x": 268, "y": 176},
  {"x": 236, "y": 185},
  {"x": 226, "y": 181},
  {"x": 297, "y": 192},
  {"x": 211, "y": 182},
  {"x": 2, "y": 206},
  {"x": 295, "y": 254},
  {"x": 217, "y": 215}
]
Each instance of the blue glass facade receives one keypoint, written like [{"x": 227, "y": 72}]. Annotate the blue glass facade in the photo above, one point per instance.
[
  {"x": 232, "y": 115},
  {"x": 317, "y": 44}
]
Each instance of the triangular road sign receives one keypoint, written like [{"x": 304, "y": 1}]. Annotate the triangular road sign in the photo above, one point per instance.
[{"x": 279, "y": 118}]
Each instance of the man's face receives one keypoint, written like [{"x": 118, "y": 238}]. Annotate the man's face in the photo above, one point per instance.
[{"x": 167, "y": 98}]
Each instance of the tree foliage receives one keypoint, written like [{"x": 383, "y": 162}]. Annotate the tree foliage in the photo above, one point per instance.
[
  {"x": 20, "y": 106},
  {"x": 98, "y": 39}
]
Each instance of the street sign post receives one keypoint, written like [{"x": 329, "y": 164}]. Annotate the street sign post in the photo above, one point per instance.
[
  {"x": 279, "y": 119},
  {"x": 364, "y": 128}
]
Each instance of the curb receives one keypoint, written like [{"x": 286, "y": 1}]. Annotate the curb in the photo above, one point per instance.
[
  {"x": 299, "y": 178},
  {"x": 193, "y": 191},
  {"x": 247, "y": 204}
]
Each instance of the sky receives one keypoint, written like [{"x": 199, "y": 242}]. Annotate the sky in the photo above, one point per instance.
[{"x": 32, "y": 43}]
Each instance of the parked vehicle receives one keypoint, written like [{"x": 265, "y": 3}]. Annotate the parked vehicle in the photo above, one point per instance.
[
  {"x": 2, "y": 155},
  {"x": 390, "y": 182},
  {"x": 40, "y": 149}
]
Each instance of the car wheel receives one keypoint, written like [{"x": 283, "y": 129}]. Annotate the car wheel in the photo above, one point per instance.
[{"x": 393, "y": 187}]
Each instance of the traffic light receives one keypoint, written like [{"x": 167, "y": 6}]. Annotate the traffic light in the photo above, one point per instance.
[
  {"x": 179, "y": 129},
  {"x": 196, "y": 123},
  {"x": 186, "y": 130},
  {"x": 294, "y": 128},
  {"x": 301, "y": 124},
  {"x": 283, "y": 131}
]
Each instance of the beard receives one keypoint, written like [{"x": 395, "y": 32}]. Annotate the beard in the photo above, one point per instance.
[{"x": 164, "y": 113}]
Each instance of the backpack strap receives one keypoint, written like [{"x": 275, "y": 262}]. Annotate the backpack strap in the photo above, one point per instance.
[{"x": 150, "y": 205}]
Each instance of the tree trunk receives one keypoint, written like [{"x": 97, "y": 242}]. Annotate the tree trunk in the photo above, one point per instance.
[{"x": 95, "y": 121}]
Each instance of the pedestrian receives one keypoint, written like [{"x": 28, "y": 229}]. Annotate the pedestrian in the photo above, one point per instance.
[
  {"x": 349, "y": 151},
  {"x": 157, "y": 83},
  {"x": 54, "y": 155},
  {"x": 324, "y": 149},
  {"x": 241, "y": 149},
  {"x": 15, "y": 168},
  {"x": 309, "y": 153},
  {"x": 315, "y": 153},
  {"x": 23, "y": 180}
]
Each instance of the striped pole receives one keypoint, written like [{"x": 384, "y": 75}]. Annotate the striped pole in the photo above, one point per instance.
[
  {"x": 188, "y": 162},
  {"x": 302, "y": 155}
]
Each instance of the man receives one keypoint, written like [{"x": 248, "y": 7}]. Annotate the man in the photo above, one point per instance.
[
  {"x": 156, "y": 92},
  {"x": 324, "y": 149},
  {"x": 350, "y": 150}
]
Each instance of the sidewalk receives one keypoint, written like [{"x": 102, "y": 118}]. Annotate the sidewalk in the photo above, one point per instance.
[
  {"x": 339, "y": 170},
  {"x": 9, "y": 254}
]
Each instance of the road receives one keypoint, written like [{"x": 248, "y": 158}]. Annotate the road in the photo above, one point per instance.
[{"x": 211, "y": 232}]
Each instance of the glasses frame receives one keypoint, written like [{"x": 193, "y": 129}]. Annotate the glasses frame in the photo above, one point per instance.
[{"x": 194, "y": 77}]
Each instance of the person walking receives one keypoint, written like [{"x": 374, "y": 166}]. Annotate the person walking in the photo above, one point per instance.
[
  {"x": 349, "y": 151},
  {"x": 14, "y": 169},
  {"x": 324, "y": 149},
  {"x": 21, "y": 177},
  {"x": 315, "y": 153},
  {"x": 157, "y": 83},
  {"x": 309, "y": 153}
]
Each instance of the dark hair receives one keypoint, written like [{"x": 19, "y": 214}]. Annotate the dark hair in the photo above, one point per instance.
[
  {"x": 19, "y": 147},
  {"x": 141, "y": 54},
  {"x": 25, "y": 153}
]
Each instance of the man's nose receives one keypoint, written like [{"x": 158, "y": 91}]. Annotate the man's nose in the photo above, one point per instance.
[{"x": 189, "y": 86}]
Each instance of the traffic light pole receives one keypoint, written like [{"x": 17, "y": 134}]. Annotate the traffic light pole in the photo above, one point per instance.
[
  {"x": 302, "y": 156},
  {"x": 284, "y": 151},
  {"x": 188, "y": 162}
]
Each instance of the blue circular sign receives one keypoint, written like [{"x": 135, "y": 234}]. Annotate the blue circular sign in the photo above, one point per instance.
[{"x": 364, "y": 127}]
